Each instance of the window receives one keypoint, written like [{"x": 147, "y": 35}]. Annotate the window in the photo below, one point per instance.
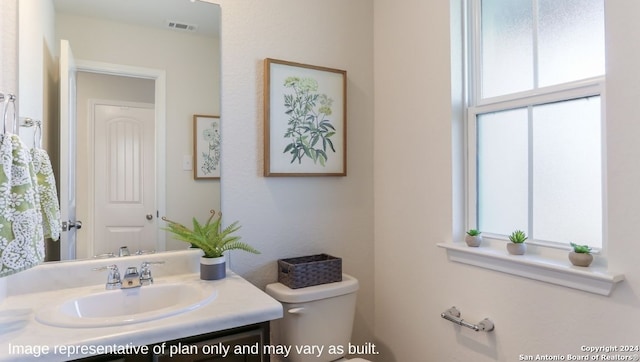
[{"x": 535, "y": 120}]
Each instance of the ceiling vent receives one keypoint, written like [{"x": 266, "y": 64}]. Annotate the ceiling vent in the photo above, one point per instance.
[{"x": 177, "y": 25}]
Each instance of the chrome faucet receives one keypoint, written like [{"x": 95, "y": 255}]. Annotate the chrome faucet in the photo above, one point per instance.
[
  {"x": 123, "y": 251},
  {"x": 132, "y": 278}
]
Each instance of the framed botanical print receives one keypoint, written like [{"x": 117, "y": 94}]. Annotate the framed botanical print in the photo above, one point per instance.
[
  {"x": 206, "y": 147},
  {"x": 305, "y": 131}
]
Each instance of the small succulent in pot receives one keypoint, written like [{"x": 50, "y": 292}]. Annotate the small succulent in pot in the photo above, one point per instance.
[
  {"x": 581, "y": 255},
  {"x": 518, "y": 237},
  {"x": 474, "y": 232},
  {"x": 581, "y": 249},
  {"x": 517, "y": 245},
  {"x": 473, "y": 238}
]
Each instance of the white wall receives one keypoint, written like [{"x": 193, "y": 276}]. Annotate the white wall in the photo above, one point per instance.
[
  {"x": 295, "y": 216},
  {"x": 192, "y": 65},
  {"x": 36, "y": 32},
  {"x": 413, "y": 107},
  {"x": 38, "y": 74},
  {"x": 8, "y": 47}
]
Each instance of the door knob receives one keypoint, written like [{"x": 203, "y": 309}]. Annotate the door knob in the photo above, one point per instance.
[
  {"x": 68, "y": 225},
  {"x": 149, "y": 216}
]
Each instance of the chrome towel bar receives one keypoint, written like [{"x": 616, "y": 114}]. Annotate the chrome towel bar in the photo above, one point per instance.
[{"x": 453, "y": 314}]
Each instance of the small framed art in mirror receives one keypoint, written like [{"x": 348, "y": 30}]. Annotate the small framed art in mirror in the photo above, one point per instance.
[{"x": 206, "y": 147}]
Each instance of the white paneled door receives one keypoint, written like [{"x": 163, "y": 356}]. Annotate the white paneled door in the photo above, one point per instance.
[{"x": 124, "y": 185}]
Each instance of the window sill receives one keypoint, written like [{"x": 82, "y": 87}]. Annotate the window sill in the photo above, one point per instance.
[{"x": 592, "y": 279}]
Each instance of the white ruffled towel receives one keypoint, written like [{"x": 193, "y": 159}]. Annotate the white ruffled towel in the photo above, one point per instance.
[
  {"x": 50, "y": 207},
  {"x": 21, "y": 235}
]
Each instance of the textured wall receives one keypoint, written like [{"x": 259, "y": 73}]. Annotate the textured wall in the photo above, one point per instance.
[
  {"x": 8, "y": 64},
  {"x": 414, "y": 282},
  {"x": 9, "y": 47},
  {"x": 285, "y": 217}
]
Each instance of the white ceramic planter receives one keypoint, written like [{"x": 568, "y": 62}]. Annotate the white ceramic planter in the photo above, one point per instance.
[
  {"x": 516, "y": 248},
  {"x": 213, "y": 268},
  {"x": 473, "y": 241},
  {"x": 580, "y": 259}
]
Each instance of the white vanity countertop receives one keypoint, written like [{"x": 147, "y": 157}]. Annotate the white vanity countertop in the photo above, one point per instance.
[{"x": 238, "y": 303}]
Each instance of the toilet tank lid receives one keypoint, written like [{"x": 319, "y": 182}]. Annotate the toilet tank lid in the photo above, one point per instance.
[{"x": 285, "y": 294}]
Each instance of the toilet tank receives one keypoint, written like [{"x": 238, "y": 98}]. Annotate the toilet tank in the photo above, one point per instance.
[{"x": 318, "y": 319}]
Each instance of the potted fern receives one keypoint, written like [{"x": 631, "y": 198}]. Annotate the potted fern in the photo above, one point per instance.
[
  {"x": 473, "y": 238},
  {"x": 517, "y": 245},
  {"x": 581, "y": 255},
  {"x": 213, "y": 240}
]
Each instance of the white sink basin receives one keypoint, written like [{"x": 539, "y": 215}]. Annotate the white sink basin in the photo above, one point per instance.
[{"x": 127, "y": 306}]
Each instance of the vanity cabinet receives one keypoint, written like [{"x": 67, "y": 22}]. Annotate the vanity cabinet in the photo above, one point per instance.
[
  {"x": 206, "y": 347},
  {"x": 249, "y": 345}
]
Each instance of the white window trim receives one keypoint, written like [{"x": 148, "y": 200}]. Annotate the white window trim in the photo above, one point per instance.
[
  {"x": 594, "y": 279},
  {"x": 543, "y": 262}
]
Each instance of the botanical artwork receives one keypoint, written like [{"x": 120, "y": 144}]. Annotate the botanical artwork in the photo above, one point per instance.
[
  {"x": 207, "y": 142},
  {"x": 211, "y": 157},
  {"x": 306, "y": 125},
  {"x": 309, "y": 128}
]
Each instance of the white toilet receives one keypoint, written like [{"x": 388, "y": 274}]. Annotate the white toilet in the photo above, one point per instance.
[{"x": 319, "y": 315}]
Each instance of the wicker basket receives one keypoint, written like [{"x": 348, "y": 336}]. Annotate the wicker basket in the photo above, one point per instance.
[{"x": 310, "y": 270}]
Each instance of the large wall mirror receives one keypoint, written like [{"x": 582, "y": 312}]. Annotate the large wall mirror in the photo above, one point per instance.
[{"x": 116, "y": 84}]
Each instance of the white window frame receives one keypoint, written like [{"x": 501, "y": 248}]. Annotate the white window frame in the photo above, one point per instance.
[
  {"x": 548, "y": 262},
  {"x": 523, "y": 100},
  {"x": 589, "y": 87}
]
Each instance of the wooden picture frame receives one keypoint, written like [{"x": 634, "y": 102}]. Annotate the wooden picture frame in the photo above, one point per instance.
[
  {"x": 206, "y": 147},
  {"x": 305, "y": 115}
]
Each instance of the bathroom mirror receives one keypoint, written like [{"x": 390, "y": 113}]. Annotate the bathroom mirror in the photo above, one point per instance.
[{"x": 157, "y": 55}]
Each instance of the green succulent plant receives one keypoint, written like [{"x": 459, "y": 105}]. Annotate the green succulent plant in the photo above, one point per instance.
[
  {"x": 518, "y": 237},
  {"x": 209, "y": 237},
  {"x": 581, "y": 249},
  {"x": 474, "y": 232}
]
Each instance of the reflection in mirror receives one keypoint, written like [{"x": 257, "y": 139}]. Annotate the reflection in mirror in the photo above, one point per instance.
[{"x": 142, "y": 70}]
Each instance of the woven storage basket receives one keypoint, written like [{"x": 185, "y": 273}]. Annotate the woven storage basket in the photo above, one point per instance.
[{"x": 310, "y": 270}]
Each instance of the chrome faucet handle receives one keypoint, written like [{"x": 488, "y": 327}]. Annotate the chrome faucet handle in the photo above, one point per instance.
[
  {"x": 145, "y": 272},
  {"x": 143, "y": 252},
  {"x": 104, "y": 256},
  {"x": 113, "y": 278}
]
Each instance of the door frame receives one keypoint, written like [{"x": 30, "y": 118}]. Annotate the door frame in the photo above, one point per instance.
[
  {"x": 159, "y": 77},
  {"x": 67, "y": 150}
]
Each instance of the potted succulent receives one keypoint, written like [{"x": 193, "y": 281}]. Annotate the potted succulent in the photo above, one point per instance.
[
  {"x": 473, "y": 238},
  {"x": 581, "y": 255},
  {"x": 213, "y": 240},
  {"x": 517, "y": 245}
]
